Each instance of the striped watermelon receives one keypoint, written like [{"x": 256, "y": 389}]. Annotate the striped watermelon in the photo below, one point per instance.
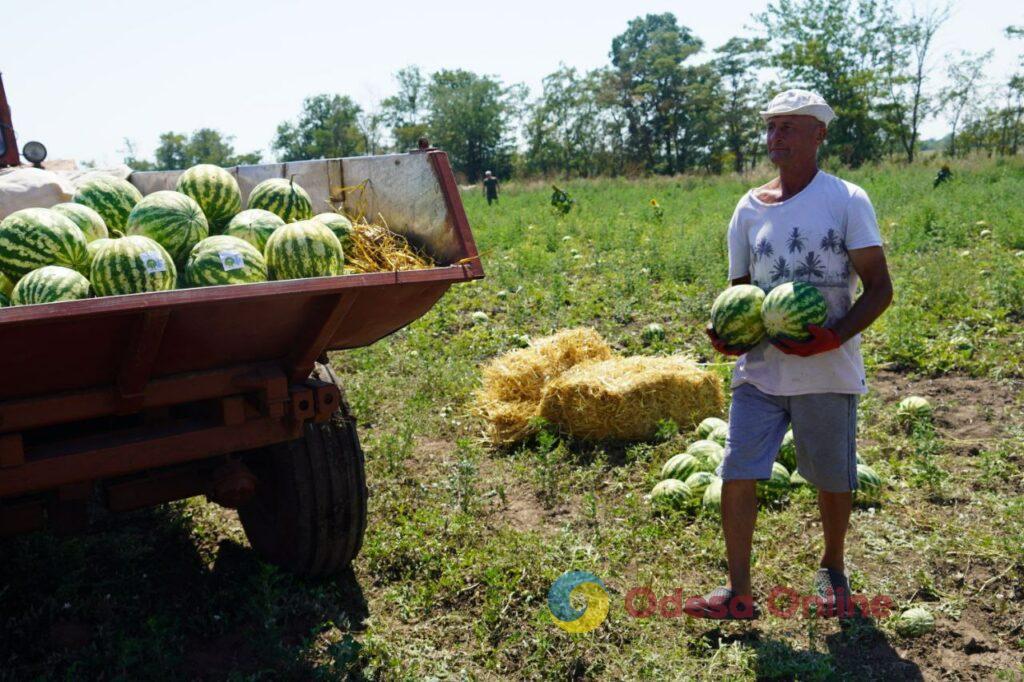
[
  {"x": 34, "y": 237},
  {"x": 705, "y": 450},
  {"x": 777, "y": 484},
  {"x": 787, "y": 452},
  {"x": 736, "y": 316},
  {"x": 254, "y": 226},
  {"x": 790, "y": 307},
  {"x": 705, "y": 428},
  {"x": 132, "y": 265},
  {"x": 49, "y": 284},
  {"x": 340, "y": 226},
  {"x": 869, "y": 484},
  {"x": 796, "y": 479},
  {"x": 304, "y": 249},
  {"x": 215, "y": 190},
  {"x": 6, "y": 287},
  {"x": 680, "y": 466},
  {"x": 173, "y": 220},
  {"x": 89, "y": 221},
  {"x": 670, "y": 493},
  {"x": 223, "y": 259},
  {"x": 698, "y": 482},
  {"x": 112, "y": 198},
  {"x": 93, "y": 248},
  {"x": 283, "y": 198},
  {"x": 719, "y": 434},
  {"x": 712, "y": 500}
]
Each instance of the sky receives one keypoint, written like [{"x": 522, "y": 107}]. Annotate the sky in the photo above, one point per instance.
[{"x": 83, "y": 76}]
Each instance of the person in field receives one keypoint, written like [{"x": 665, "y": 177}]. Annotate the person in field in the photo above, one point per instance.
[
  {"x": 490, "y": 187},
  {"x": 805, "y": 225}
]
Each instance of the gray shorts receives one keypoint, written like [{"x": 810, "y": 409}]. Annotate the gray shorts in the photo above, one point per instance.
[{"x": 824, "y": 430}]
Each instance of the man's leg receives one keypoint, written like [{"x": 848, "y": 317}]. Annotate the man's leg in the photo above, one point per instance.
[
  {"x": 835, "y": 520},
  {"x": 739, "y": 512}
]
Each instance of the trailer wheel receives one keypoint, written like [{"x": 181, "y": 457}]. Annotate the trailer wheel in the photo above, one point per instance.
[{"x": 309, "y": 511}]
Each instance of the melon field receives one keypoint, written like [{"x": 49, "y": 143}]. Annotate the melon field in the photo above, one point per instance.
[{"x": 464, "y": 542}]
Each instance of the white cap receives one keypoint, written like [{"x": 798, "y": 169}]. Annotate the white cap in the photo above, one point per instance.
[{"x": 799, "y": 103}]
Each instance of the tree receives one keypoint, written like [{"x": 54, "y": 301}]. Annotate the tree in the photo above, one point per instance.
[
  {"x": 172, "y": 152},
  {"x": 468, "y": 117},
  {"x": 564, "y": 129},
  {"x": 132, "y": 160},
  {"x": 905, "y": 71},
  {"x": 328, "y": 127},
  {"x": 736, "y": 64},
  {"x": 206, "y": 145},
  {"x": 965, "y": 79},
  {"x": 404, "y": 111}
]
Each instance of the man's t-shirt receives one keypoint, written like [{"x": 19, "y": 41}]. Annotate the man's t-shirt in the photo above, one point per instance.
[
  {"x": 804, "y": 238},
  {"x": 491, "y": 185}
]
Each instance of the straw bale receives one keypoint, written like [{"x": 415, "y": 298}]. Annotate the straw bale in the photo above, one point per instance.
[{"x": 623, "y": 399}]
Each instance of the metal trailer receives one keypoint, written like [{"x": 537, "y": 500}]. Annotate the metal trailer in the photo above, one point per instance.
[{"x": 131, "y": 401}]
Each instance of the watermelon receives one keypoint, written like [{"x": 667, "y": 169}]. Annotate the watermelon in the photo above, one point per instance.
[
  {"x": 712, "y": 499},
  {"x": 89, "y": 221},
  {"x": 869, "y": 484},
  {"x": 796, "y": 479},
  {"x": 215, "y": 190},
  {"x": 913, "y": 409},
  {"x": 698, "y": 482},
  {"x": 6, "y": 287},
  {"x": 652, "y": 332},
  {"x": 670, "y": 493},
  {"x": 49, "y": 284},
  {"x": 790, "y": 307},
  {"x": 254, "y": 226},
  {"x": 680, "y": 466},
  {"x": 719, "y": 434},
  {"x": 223, "y": 259},
  {"x": 132, "y": 265},
  {"x": 776, "y": 485},
  {"x": 93, "y": 247},
  {"x": 304, "y": 249},
  {"x": 787, "y": 452},
  {"x": 705, "y": 428},
  {"x": 283, "y": 198},
  {"x": 736, "y": 316},
  {"x": 704, "y": 450},
  {"x": 113, "y": 198},
  {"x": 340, "y": 226},
  {"x": 34, "y": 237},
  {"x": 172, "y": 220},
  {"x": 914, "y": 622}
]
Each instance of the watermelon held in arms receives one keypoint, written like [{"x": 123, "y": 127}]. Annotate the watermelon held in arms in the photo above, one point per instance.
[
  {"x": 172, "y": 220},
  {"x": 215, "y": 190},
  {"x": 340, "y": 226},
  {"x": 254, "y": 226},
  {"x": 307, "y": 248},
  {"x": 790, "y": 307},
  {"x": 736, "y": 316},
  {"x": 705, "y": 428},
  {"x": 49, "y": 284},
  {"x": 132, "y": 265},
  {"x": 680, "y": 467},
  {"x": 223, "y": 259},
  {"x": 89, "y": 221},
  {"x": 113, "y": 198},
  {"x": 34, "y": 237},
  {"x": 670, "y": 493},
  {"x": 284, "y": 198}
]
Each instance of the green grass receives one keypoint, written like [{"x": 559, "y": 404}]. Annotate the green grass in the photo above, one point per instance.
[{"x": 463, "y": 542}]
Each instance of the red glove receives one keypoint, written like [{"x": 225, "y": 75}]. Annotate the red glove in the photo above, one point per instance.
[
  {"x": 822, "y": 340},
  {"x": 720, "y": 345}
]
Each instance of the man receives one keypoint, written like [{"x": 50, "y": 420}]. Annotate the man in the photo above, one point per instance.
[
  {"x": 490, "y": 187},
  {"x": 805, "y": 225}
]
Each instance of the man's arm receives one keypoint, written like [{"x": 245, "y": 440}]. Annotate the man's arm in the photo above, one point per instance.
[
  {"x": 870, "y": 265},
  {"x": 745, "y": 279}
]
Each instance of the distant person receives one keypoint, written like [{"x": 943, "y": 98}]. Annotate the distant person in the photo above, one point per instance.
[
  {"x": 804, "y": 225},
  {"x": 942, "y": 176},
  {"x": 490, "y": 187}
]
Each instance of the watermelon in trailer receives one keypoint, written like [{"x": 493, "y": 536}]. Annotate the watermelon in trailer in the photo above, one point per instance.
[
  {"x": 113, "y": 198},
  {"x": 283, "y": 198},
  {"x": 171, "y": 219},
  {"x": 50, "y": 284},
  {"x": 304, "y": 249},
  {"x": 89, "y": 221},
  {"x": 340, "y": 226},
  {"x": 215, "y": 190},
  {"x": 254, "y": 226},
  {"x": 34, "y": 237},
  {"x": 223, "y": 259},
  {"x": 132, "y": 265},
  {"x": 790, "y": 307}
]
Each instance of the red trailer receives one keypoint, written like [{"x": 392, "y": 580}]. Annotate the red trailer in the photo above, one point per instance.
[{"x": 132, "y": 401}]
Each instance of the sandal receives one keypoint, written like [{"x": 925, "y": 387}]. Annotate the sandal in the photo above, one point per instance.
[
  {"x": 833, "y": 588},
  {"x": 722, "y": 604}
]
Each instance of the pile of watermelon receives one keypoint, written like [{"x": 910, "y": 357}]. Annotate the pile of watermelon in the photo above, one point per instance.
[
  {"x": 689, "y": 480},
  {"x": 110, "y": 240},
  {"x": 743, "y": 314}
]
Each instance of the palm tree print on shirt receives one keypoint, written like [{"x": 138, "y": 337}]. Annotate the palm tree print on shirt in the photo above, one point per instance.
[
  {"x": 763, "y": 249},
  {"x": 810, "y": 267},
  {"x": 795, "y": 241},
  {"x": 831, "y": 244},
  {"x": 780, "y": 270}
]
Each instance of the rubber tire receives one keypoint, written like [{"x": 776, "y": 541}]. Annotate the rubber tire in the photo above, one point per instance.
[{"x": 309, "y": 512}]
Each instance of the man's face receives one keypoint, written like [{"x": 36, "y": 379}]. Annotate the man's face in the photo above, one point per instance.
[{"x": 794, "y": 139}]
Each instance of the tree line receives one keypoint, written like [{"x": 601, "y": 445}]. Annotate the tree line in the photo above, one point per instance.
[{"x": 654, "y": 108}]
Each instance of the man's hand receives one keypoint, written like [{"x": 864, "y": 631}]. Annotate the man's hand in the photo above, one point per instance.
[
  {"x": 720, "y": 345},
  {"x": 822, "y": 340}
]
